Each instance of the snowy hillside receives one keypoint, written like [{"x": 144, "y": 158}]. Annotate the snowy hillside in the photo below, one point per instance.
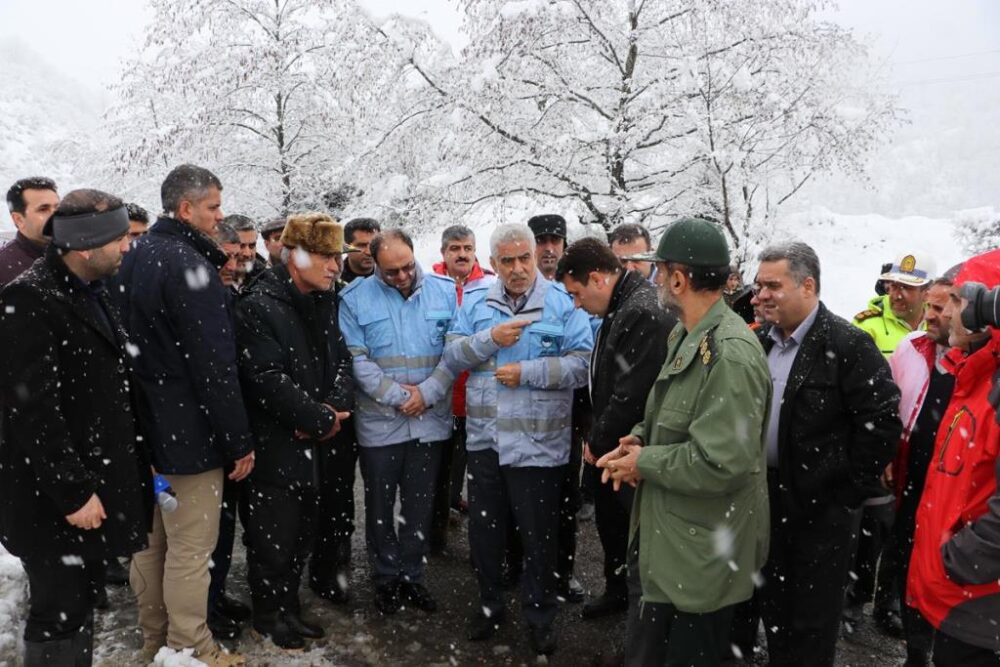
[{"x": 42, "y": 113}]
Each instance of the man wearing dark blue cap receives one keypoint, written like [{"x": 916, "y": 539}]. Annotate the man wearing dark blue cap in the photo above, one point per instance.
[{"x": 74, "y": 480}]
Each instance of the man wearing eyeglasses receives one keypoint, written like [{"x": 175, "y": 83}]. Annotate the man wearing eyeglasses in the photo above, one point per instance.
[
  {"x": 832, "y": 429},
  {"x": 395, "y": 323}
]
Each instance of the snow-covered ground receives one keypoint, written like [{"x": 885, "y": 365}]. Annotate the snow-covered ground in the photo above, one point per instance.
[{"x": 851, "y": 250}]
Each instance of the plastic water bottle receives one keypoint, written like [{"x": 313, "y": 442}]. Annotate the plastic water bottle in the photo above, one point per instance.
[{"x": 165, "y": 496}]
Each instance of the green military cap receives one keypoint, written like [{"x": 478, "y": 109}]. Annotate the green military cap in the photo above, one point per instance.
[{"x": 690, "y": 241}]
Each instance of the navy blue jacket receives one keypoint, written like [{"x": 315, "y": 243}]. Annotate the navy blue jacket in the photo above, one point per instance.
[{"x": 177, "y": 314}]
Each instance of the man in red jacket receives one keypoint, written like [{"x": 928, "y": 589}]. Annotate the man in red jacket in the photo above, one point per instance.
[
  {"x": 458, "y": 252},
  {"x": 954, "y": 577}
]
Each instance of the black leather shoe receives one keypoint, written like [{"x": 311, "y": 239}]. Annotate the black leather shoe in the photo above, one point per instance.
[
  {"x": 543, "y": 640},
  {"x": 482, "y": 627},
  {"x": 223, "y": 627},
  {"x": 570, "y": 590},
  {"x": 606, "y": 605},
  {"x": 387, "y": 598},
  {"x": 889, "y": 622},
  {"x": 232, "y": 608},
  {"x": 332, "y": 593},
  {"x": 115, "y": 574},
  {"x": 101, "y": 599},
  {"x": 302, "y": 626},
  {"x": 418, "y": 596},
  {"x": 273, "y": 627}
]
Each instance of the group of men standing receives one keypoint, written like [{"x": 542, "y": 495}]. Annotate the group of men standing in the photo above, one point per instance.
[{"x": 734, "y": 463}]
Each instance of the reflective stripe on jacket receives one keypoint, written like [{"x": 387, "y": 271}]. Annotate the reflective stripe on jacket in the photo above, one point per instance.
[
  {"x": 527, "y": 425},
  {"x": 396, "y": 341}
]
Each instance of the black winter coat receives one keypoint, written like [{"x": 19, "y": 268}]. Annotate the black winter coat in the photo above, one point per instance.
[
  {"x": 839, "y": 418},
  {"x": 629, "y": 351},
  {"x": 68, "y": 421},
  {"x": 292, "y": 360},
  {"x": 177, "y": 315}
]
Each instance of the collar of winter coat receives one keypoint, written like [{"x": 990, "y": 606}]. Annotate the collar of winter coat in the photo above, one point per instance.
[
  {"x": 477, "y": 271},
  {"x": 628, "y": 283},
  {"x": 205, "y": 246},
  {"x": 973, "y": 369},
  {"x": 688, "y": 347},
  {"x": 30, "y": 248},
  {"x": 534, "y": 303},
  {"x": 277, "y": 283},
  {"x": 62, "y": 284}
]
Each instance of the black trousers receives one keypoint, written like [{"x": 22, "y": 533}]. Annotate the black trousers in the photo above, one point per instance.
[
  {"x": 531, "y": 495},
  {"x": 448, "y": 487},
  {"x": 569, "y": 505},
  {"x": 409, "y": 468},
  {"x": 280, "y": 528},
  {"x": 589, "y": 481},
  {"x": 951, "y": 652},
  {"x": 612, "y": 510},
  {"x": 876, "y": 525},
  {"x": 331, "y": 553},
  {"x": 805, "y": 579},
  {"x": 61, "y": 595},
  {"x": 661, "y": 634},
  {"x": 222, "y": 557}
]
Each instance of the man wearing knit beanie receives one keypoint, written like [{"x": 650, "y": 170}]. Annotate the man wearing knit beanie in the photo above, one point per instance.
[
  {"x": 954, "y": 577},
  {"x": 74, "y": 479}
]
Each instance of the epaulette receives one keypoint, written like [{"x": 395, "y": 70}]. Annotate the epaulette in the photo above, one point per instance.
[
  {"x": 707, "y": 349},
  {"x": 866, "y": 314}
]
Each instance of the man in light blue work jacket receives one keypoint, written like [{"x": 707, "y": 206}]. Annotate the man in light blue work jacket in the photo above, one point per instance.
[
  {"x": 527, "y": 348},
  {"x": 395, "y": 323}
]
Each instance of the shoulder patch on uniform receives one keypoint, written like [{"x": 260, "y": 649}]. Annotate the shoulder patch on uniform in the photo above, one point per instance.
[
  {"x": 707, "y": 349},
  {"x": 867, "y": 314}
]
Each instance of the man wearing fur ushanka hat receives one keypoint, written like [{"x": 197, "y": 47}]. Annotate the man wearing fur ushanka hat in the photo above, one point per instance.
[{"x": 295, "y": 370}]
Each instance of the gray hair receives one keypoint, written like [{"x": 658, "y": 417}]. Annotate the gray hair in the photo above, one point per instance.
[
  {"x": 226, "y": 233},
  {"x": 240, "y": 223},
  {"x": 455, "y": 233},
  {"x": 511, "y": 232},
  {"x": 803, "y": 262}
]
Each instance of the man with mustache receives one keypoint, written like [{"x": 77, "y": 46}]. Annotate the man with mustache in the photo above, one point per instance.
[
  {"x": 888, "y": 320},
  {"x": 458, "y": 253},
  {"x": 359, "y": 233},
  {"x": 527, "y": 349},
  {"x": 550, "y": 244}
]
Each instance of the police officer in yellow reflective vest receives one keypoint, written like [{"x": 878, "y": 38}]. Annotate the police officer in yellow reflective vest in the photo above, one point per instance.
[
  {"x": 888, "y": 320},
  {"x": 700, "y": 516},
  {"x": 900, "y": 311}
]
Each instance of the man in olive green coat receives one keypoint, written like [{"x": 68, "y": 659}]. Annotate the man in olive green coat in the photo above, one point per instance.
[{"x": 700, "y": 518}]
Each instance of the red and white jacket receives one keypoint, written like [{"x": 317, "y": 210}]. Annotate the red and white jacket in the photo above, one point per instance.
[
  {"x": 954, "y": 577},
  {"x": 911, "y": 365}
]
